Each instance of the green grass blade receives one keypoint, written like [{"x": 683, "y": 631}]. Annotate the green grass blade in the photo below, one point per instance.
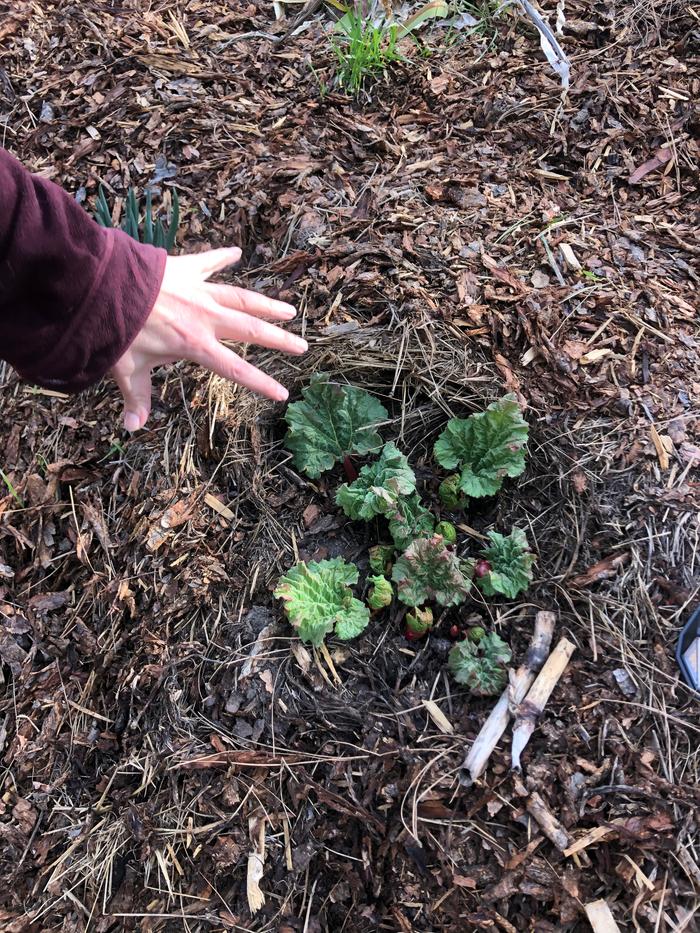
[
  {"x": 131, "y": 221},
  {"x": 148, "y": 219},
  {"x": 103, "y": 214},
  {"x": 13, "y": 492},
  {"x": 174, "y": 222}
]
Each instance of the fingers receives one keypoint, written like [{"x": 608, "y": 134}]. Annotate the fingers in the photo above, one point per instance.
[
  {"x": 226, "y": 363},
  {"x": 136, "y": 390},
  {"x": 209, "y": 262},
  {"x": 244, "y": 328},
  {"x": 240, "y": 299}
]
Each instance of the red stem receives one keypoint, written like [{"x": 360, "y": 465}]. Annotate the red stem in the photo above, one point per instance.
[{"x": 350, "y": 470}]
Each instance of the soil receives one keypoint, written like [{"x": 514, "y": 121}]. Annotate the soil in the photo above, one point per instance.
[{"x": 173, "y": 758}]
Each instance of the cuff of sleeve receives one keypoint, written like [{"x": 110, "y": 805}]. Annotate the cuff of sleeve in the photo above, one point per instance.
[{"x": 113, "y": 312}]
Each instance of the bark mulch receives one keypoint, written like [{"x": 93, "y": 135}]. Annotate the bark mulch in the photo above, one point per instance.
[{"x": 170, "y": 754}]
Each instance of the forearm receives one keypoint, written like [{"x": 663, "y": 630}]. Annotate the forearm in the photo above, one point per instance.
[{"x": 73, "y": 295}]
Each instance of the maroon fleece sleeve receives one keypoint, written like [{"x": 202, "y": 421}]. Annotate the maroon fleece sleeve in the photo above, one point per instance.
[{"x": 73, "y": 295}]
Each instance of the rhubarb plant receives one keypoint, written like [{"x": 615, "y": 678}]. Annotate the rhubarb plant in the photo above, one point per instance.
[
  {"x": 381, "y": 594},
  {"x": 506, "y": 566},
  {"x": 481, "y": 665},
  {"x": 318, "y": 600},
  {"x": 331, "y": 423},
  {"x": 429, "y": 571},
  {"x": 418, "y": 623},
  {"x": 409, "y": 520},
  {"x": 379, "y": 487},
  {"x": 485, "y": 448}
]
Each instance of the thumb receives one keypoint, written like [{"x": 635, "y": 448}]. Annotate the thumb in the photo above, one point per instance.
[{"x": 136, "y": 390}]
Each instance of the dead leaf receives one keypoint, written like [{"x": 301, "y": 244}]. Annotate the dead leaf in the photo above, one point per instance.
[
  {"x": 310, "y": 514},
  {"x": 579, "y": 481},
  {"x": 603, "y": 570},
  {"x": 539, "y": 279},
  {"x": 660, "y": 158}
]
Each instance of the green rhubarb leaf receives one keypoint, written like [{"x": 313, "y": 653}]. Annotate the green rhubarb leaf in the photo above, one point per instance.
[
  {"x": 379, "y": 486},
  {"x": 428, "y": 571},
  {"x": 381, "y": 594},
  {"x": 332, "y": 422},
  {"x": 409, "y": 521},
  {"x": 481, "y": 666},
  {"x": 510, "y": 562},
  {"x": 318, "y": 599},
  {"x": 486, "y": 447}
]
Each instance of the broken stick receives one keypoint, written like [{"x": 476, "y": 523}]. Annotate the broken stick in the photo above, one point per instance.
[
  {"x": 494, "y": 727},
  {"x": 547, "y": 821},
  {"x": 601, "y": 917},
  {"x": 534, "y": 703}
]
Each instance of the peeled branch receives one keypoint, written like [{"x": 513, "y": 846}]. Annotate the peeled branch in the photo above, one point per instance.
[{"x": 530, "y": 709}]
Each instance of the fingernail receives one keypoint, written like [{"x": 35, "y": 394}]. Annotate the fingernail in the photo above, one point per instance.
[
  {"x": 303, "y": 345},
  {"x": 289, "y": 309},
  {"x": 131, "y": 421},
  {"x": 282, "y": 395}
]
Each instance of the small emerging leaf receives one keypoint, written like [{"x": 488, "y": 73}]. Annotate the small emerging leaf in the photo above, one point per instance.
[
  {"x": 436, "y": 9},
  {"x": 381, "y": 594},
  {"x": 331, "y": 422},
  {"x": 419, "y": 621},
  {"x": 450, "y": 494},
  {"x": 510, "y": 565},
  {"x": 481, "y": 666},
  {"x": 410, "y": 521},
  {"x": 317, "y": 598},
  {"x": 447, "y": 530},
  {"x": 485, "y": 447},
  {"x": 379, "y": 486},
  {"x": 380, "y": 557},
  {"x": 428, "y": 571}
]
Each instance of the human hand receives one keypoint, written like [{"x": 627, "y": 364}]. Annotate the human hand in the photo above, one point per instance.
[{"x": 189, "y": 319}]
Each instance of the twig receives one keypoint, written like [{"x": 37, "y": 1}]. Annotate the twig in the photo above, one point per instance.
[
  {"x": 547, "y": 822},
  {"x": 534, "y": 703},
  {"x": 494, "y": 727}
]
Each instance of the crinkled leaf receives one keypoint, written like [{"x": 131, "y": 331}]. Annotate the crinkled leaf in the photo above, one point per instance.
[
  {"x": 380, "y": 557},
  {"x": 331, "y": 422},
  {"x": 429, "y": 571},
  {"x": 451, "y": 494},
  {"x": 481, "y": 666},
  {"x": 511, "y": 565},
  {"x": 485, "y": 447},
  {"x": 317, "y": 598},
  {"x": 410, "y": 521},
  {"x": 352, "y": 621},
  {"x": 447, "y": 530},
  {"x": 381, "y": 594},
  {"x": 378, "y": 487}
]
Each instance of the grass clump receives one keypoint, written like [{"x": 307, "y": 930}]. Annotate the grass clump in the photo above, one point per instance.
[{"x": 364, "y": 51}]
